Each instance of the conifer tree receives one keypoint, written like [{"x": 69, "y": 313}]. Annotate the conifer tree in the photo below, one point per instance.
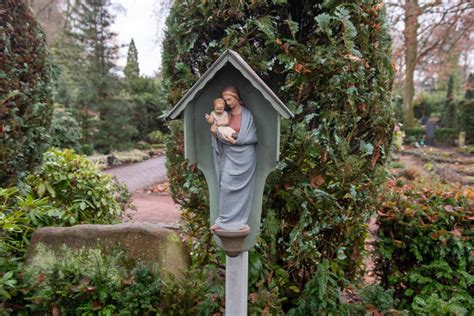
[
  {"x": 450, "y": 116},
  {"x": 468, "y": 110},
  {"x": 132, "y": 69},
  {"x": 88, "y": 64}
]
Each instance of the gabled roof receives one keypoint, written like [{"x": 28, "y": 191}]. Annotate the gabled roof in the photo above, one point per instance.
[{"x": 232, "y": 57}]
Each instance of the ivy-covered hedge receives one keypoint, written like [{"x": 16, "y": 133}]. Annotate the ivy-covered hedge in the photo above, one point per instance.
[
  {"x": 330, "y": 64},
  {"x": 446, "y": 136},
  {"x": 414, "y": 134},
  {"x": 25, "y": 103}
]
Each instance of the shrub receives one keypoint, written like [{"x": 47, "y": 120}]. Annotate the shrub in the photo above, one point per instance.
[
  {"x": 446, "y": 136},
  {"x": 156, "y": 137},
  {"x": 89, "y": 282},
  {"x": 78, "y": 190},
  {"x": 25, "y": 96},
  {"x": 425, "y": 248},
  {"x": 414, "y": 134},
  {"x": 65, "y": 130},
  {"x": 336, "y": 76}
]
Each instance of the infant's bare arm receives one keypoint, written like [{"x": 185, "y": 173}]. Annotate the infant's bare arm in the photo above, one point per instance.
[{"x": 209, "y": 118}]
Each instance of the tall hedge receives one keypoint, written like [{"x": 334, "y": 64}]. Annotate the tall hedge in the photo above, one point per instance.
[
  {"x": 26, "y": 107},
  {"x": 329, "y": 61}
]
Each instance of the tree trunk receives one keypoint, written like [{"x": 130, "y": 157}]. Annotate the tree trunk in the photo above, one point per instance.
[{"x": 412, "y": 11}]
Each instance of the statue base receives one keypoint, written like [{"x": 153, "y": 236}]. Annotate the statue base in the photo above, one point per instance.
[{"x": 233, "y": 240}]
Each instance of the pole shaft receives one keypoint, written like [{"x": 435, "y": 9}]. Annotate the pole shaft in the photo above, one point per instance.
[{"x": 236, "y": 284}]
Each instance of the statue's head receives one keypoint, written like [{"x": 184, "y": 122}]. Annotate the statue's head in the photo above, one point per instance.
[{"x": 231, "y": 93}]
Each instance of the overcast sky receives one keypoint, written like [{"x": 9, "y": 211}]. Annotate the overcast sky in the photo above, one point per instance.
[{"x": 141, "y": 20}]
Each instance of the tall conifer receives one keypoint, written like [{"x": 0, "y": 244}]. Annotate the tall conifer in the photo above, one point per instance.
[{"x": 132, "y": 70}]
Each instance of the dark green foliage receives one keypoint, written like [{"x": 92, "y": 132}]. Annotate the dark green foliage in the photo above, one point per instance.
[
  {"x": 132, "y": 70},
  {"x": 146, "y": 108},
  {"x": 446, "y": 136},
  {"x": 330, "y": 63},
  {"x": 116, "y": 129},
  {"x": 414, "y": 134},
  {"x": 450, "y": 118},
  {"x": 467, "y": 111},
  {"x": 87, "y": 82},
  {"x": 65, "y": 130},
  {"x": 425, "y": 249},
  {"x": 25, "y": 98},
  {"x": 89, "y": 282},
  {"x": 321, "y": 295}
]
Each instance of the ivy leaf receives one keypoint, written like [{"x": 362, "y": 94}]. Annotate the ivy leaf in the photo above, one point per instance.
[
  {"x": 324, "y": 21},
  {"x": 366, "y": 148},
  {"x": 266, "y": 26},
  {"x": 294, "y": 27}
]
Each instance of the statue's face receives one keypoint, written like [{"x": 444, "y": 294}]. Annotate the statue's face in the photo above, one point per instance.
[
  {"x": 219, "y": 107},
  {"x": 231, "y": 101}
]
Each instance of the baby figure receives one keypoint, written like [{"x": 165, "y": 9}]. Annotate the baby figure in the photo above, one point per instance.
[{"x": 219, "y": 119}]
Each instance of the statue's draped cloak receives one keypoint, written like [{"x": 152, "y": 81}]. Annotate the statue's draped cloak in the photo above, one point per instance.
[{"x": 235, "y": 169}]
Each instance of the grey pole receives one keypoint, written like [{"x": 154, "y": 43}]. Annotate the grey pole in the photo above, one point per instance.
[{"x": 236, "y": 284}]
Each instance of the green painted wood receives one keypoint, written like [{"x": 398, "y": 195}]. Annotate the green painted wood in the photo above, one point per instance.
[
  {"x": 232, "y": 57},
  {"x": 268, "y": 133}
]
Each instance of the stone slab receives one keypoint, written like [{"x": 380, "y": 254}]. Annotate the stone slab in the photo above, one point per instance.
[{"x": 147, "y": 243}]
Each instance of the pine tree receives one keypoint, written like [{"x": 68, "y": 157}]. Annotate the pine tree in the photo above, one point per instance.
[
  {"x": 132, "y": 69},
  {"x": 88, "y": 54},
  {"x": 450, "y": 116},
  {"x": 467, "y": 118}
]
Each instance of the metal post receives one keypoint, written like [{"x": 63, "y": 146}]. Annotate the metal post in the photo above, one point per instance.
[{"x": 236, "y": 284}]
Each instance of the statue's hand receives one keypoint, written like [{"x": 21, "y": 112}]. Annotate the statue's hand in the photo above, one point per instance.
[
  {"x": 209, "y": 118},
  {"x": 230, "y": 140}
]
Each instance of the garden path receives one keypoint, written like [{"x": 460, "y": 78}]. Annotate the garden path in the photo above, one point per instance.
[{"x": 153, "y": 202}]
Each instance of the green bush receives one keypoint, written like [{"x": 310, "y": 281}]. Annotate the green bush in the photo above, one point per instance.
[
  {"x": 424, "y": 249},
  {"x": 446, "y": 136},
  {"x": 330, "y": 63},
  {"x": 414, "y": 134},
  {"x": 89, "y": 282},
  {"x": 25, "y": 94},
  {"x": 156, "y": 137},
  {"x": 79, "y": 191},
  {"x": 65, "y": 130}
]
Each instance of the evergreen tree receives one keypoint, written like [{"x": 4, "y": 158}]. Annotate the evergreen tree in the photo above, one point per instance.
[
  {"x": 87, "y": 54},
  {"x": 329, "y": 61},
  {"x": 132, "y": 69},
  {"x": 467, "y": 119},
  {"x": 450, "y": 116},
  {"x": 469, "y": 95}
]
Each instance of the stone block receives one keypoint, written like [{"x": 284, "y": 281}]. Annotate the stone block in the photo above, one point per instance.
[{"x": 147, "y": 243}]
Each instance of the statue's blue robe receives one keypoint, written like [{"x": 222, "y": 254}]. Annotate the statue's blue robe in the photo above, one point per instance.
[{"x": 235, "y": 168}]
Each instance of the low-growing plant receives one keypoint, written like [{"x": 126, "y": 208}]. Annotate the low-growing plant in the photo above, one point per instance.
[
  {"x": 425, "y": 246},
  {"x": 89, "y": 282}
]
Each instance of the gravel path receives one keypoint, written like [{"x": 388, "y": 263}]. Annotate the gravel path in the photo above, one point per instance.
[
  {"x": 142, "y": 174},
  {"x": 152, "y": 207}
]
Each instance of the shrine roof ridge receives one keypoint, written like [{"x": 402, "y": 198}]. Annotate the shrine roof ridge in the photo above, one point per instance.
[{"x": 232, "y": 57}]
